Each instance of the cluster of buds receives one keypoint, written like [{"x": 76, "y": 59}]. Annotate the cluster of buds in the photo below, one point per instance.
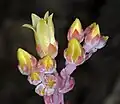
[
  {"x": 91, "y": 38},
  {"x": 42, "y": 73}
]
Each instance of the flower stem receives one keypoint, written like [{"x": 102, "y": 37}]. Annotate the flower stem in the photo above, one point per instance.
[{"x": 56, "y": 98}]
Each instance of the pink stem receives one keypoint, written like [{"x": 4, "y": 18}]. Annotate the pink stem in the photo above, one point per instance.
[{"x": 56, "y": 98}]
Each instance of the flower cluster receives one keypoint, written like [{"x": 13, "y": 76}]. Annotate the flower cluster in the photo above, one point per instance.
[
  {"x": 42, "y": 73},
  {"x": 91, "y": 38}
]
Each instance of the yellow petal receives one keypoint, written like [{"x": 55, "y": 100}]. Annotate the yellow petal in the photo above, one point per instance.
[
  {"x": 47, "y": 61},
  {"x": 76, "y": 25},
  {"x": 43, "y": 36},
  {"x": 35, "y": 76},
  {"x": 35, "y": 19},
  {"x": 93, "y": 25},
  {"x": 74, "y": 49},
  {"x": 46, "y": 15},
  {"x": 95, "y": 30},
  {"x": 51, "y": 82},
  {"x": 24, "y": 58}
]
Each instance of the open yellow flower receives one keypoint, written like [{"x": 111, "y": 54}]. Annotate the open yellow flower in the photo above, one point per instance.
[
  {"x": 76, "y": 31},
  {"x": 44, "y": 35},
  {"x": 47, "y": 64},
  {"x": 47, "y": 87},
  {"x": 74, "y": 53}
]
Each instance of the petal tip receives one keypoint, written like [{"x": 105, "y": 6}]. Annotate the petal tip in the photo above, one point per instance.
[
  {"x": 19, "y": 51},
  {"x": 76, "y": 21},
  {"x": 105, "y": 38},
  {"x": 32, "y": 14},
  {"x": 46, "y": 15}
]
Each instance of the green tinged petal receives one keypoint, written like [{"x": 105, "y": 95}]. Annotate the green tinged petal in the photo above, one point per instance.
[
  {"x": 46, "y": 15},
  {"x": 35, "y": 19},
  {"x": 51, "y": 29},
  {"x": 29, "y": 26},
  {"x": 43, "y": 35}
]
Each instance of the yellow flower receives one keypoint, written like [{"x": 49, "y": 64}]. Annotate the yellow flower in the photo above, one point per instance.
[
  {"x": 93, "y": 39},
  {"x": 74, "y": 53},
  {"x": 48, "y": 86},
  {"x": 50, "y": 81},
  {"x": 26, "y": 61},
  {"x": 35, "y": 76},
  {"x": 44, "y": 35},
  {"x": 75, "y": 31},
  {"x": 47, "y": 64}
]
